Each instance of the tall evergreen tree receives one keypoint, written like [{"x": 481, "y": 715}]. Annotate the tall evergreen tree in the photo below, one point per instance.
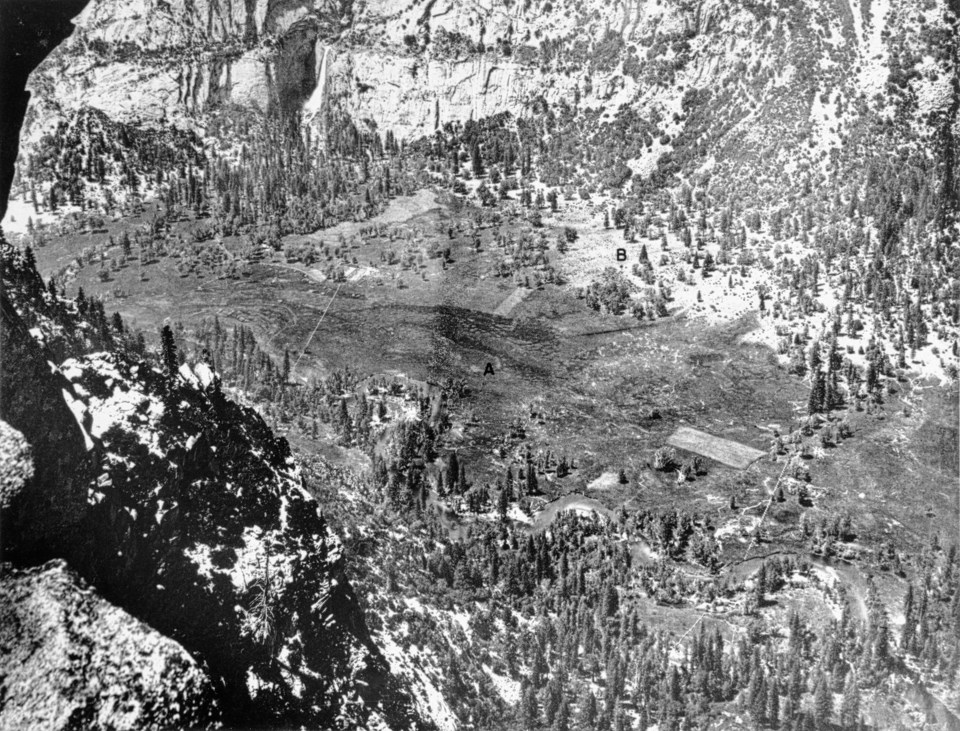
[
  {"x": 168, "y": 351},
  {"x": 773, "y": 703},
  {"x": 850, "y": 703},
  {"x": 818, "y": 393},
  {"x": 822, "y": 703},
  {"x": 530, "y": 709},
  {"x": 588, "y": 709}
]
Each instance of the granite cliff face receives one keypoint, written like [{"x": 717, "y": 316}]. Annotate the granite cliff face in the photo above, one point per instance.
[
  {"x": 403, "y": 68},
  {"x": 771, "y": 76},
  {"x": 45, "y": 508},
  {"x": 148, "y": 59}
]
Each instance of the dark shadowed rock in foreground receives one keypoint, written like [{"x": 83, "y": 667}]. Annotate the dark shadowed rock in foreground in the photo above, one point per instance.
[
  {"x": 73, "y": 660},
  {"x": 44, "y": 508}
]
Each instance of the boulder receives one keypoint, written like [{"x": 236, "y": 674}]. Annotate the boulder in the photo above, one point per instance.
[{"x": 69, "y": 659}]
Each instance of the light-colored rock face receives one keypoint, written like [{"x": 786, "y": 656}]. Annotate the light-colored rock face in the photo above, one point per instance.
[
  {"x": 162, "y": 24},
  {"x": 69, "y": 659},
  {"x": 16, "y": 463},
  {"x": 412, "y": 93},
  {"x": 147, "y": 60},
  {"x": 409, "y": 67},
  {"x": 411, "y": 97}
]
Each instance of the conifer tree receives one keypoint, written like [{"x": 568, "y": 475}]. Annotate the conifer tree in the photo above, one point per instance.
[
  {"x": 453, "y": 471},
  {"x": 773, "y": 703},
  {"x": 530, "y": 709},
  {"x": 822, "y": 703},
  {"x": 168, "y": 351},
  {"x": 532, "y": 487},
  {"x": 757, "y": 696},
  {"x": 552, "y": 700},
  {"x": 588, "y": 709},
  {"x": 909, "y": 623},
  {"x": 562, "y": 721},
  {"x": 818, "y": 395},
  {"x": 850, "y": 703}
]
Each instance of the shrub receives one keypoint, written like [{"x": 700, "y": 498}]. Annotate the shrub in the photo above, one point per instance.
[{"x": 665, "y": 459}]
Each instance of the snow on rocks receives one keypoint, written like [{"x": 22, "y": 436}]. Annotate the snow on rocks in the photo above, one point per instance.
[{"x": 246, "y": 552}]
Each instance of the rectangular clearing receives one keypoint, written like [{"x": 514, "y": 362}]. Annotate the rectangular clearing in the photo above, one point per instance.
[{"x": 732, "y": 454}]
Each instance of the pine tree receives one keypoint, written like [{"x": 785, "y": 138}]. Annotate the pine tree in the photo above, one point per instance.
[
  {"x": 476, "y": 160},
  {"x": 562, "y": 721},
  {"x": 610, "y": 600},
  {"x": 453, "y": 471},
  {"x": 168, "y": 350},
  {"x": 552, "y": 700},
  {"x": 757, "y": 696},
  {"x": 532, "y": 486},
  {"x": 773, "y": 703},
  {"x": 530, "y": 709},
  {"x": 850, "y": 704},
  {"x": 822, "y": 704},
  {"x": 588, "y": 709},
  {"x": 343, "y": 420},
  {"x": 818, "y": 395},
  {"x": 815, "y": 361},
  {"x": 909, "y": 623}
]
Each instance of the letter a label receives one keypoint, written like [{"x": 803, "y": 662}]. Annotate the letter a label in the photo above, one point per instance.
[{"x": 488, "y": 371}]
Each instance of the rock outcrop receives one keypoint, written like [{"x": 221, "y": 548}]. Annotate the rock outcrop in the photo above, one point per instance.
[
  {"x": 73, "y": 660},
  {"x": 16, "y": 465},
  {"x": 148, "y": 60},
  {"x": 45, "y": 510},
  {"x": 197, "y": 523}
]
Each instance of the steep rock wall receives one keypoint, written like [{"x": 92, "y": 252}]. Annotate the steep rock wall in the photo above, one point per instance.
[
  {"x": 150, "y": 59},
  {"x": 47, "y": 509}
]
